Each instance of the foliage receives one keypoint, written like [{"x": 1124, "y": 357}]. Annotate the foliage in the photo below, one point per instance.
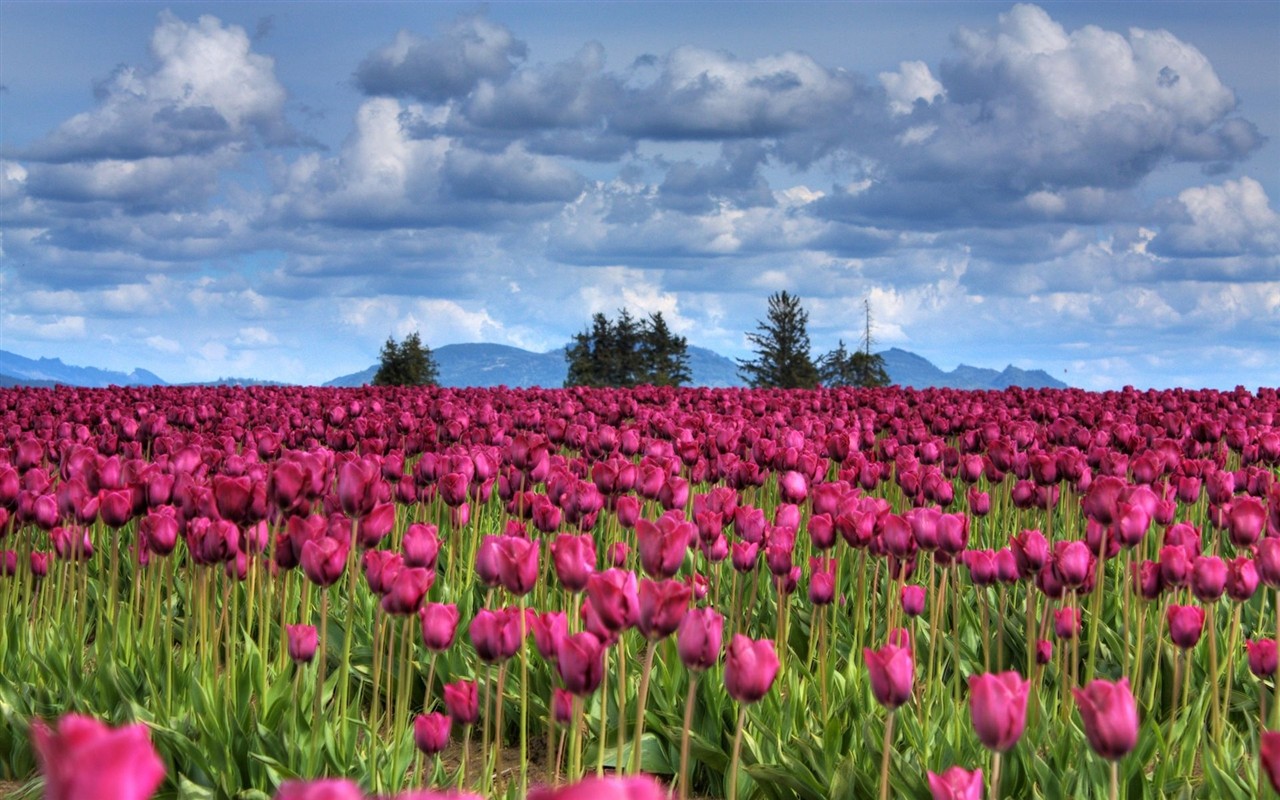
[
  {"x": 782, "y": 348},
  {"x": 627, "y": 352},
  {"x": 408, "y": 363},
  {"x": 860, "y": 368}
]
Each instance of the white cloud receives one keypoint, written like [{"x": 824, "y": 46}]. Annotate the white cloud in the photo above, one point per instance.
[
  {"x": 163, "y": 344},
  {"x": 913, "y": 81},
  {"x": 44, "y": 327},
  {"x": 1230, "y": 218}
]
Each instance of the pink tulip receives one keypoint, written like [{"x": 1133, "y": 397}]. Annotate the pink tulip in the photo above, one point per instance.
[
  {"x": 86, "y": 760},
  {"x": 957, "y": 783},
  {"x": 1186, "y": 624},
  {"x": 462, "y": 700},
  {"x": 431, "y": 732},
  {"x": 581, "y": 663},
  {"x": 662, "y": 607},
  {"x": 635, "y": 788},
  {"x": 1270, "y": 757},
  {"x": 749, "y": 668},
  {"x": 439, "y": 625},
  {"x": 302, "y": 642},
  {"x": 892, "y": 674},
  {"x": 699, "y": 637},
  {"x": 1110, "y": 717},
  {"x": 321, "y": 789},
  {"x": 998, "y": 707},
  {"x": 1263, "y": 658}
]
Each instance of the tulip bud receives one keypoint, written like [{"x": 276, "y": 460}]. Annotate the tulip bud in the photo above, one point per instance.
[
  {"x": 581, "y": 663},
  {"x": 431, "y": 732},
  {"x": 957, "y": 783},
  {"x": 749, "y": 668},
  {"x": 1066, "y": 623},
  {"x": 1186, "y": 624},
  {"x": 86, "y": 759},
  {"x": 1263, "y": 660},
  {"x": 1110, "y": 717},
  {"x": 1044, "y": 651},
  {"x": 998, "y": 708},
  {"x": 892, "y": 674},
  {"x": 913, "y": 600},
  {"x": 439, "y": 625},
  {"x": 302, "y": 642},
  {"x": 462, "y": 700},
  {"x": 699, "y": 637}
]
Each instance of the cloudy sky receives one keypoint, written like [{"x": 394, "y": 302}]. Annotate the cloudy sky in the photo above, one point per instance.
[{"x": 269, "y": 190}]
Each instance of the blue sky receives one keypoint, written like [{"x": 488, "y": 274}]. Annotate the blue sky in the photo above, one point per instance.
[{"x": 269, "y": 190}]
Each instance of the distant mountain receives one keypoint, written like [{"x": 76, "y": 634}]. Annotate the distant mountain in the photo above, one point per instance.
[
  {"x": 48, "y": 371},
  {"x": 502, "y": 365},
  {"x": 908, "y": 369}
]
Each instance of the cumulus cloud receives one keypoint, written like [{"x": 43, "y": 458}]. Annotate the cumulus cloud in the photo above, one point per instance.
[
  {"x": 474, "y": 49},
  {"x": 1227, "y": 219},
  {"x": 205, "y": 90},
  {"x": 912, "y": 82}
]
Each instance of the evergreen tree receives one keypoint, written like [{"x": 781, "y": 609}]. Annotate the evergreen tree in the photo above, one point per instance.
[
  {"x": 627, "y": 352},
  {"x": 664, "y": 356},
  {"x": 782, "y": 348},
  {"x": 861, "y": 368},
  {"x": 409, "y": 363}
]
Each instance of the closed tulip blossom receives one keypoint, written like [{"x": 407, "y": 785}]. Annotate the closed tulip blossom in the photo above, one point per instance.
[
  {"x": 495, "y": 634},
  {"x": 85, "y": 759},
  {"x": 1242, "y": 579},
  {"x": 321, "y": 789},
  {"x": 1269, "y": 755},
  {"x": 1263, "y": 659},
  {"x": 302, "y": 640},
  {"x": 574, "y": 559},
  {"x": 749, "y": 668},
  {"x": 662, "y": 606},
  {"x": 439, "y": 625},
  {"x": 421, "y": 545},
  {"x": 614, "y": 596},
  {"x": 913, "y": 597},
  {"x": 892, "y": 674},
  {"x": 1186, "y": 624},
  {"x": 431, "y": 732},
  {"x": 1066, "y": 623},
  {"x": 699, "y": 638},
  {"x": 1044, "y": 651},
  {"x": 956, "y": 783},
  {"x": 1208, "y": 578},
  {"x": 1110, "y": 716},
  {"x": 998, "y": 708},
  {"x": 581, "y": 663},
  {"x": 640, "y": 787},
  {"x": 405, "y": 593},
  {"x": 323, "y": 560},
  {"x": 517, "y": 564},
  {"x": 462, "y": 701}
]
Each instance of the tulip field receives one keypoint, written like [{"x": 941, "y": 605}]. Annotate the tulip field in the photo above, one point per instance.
[{"x": 644, "y": 593}]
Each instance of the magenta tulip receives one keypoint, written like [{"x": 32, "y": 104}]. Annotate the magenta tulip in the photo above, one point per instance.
[
  {"x": 1186, "y": 624},
  {"x": 749, "y": 668},
  {"x": 699, "y": 637},
  {"x": 998, "y": 708},
  {"x": 439, "y": 625},
  {"x": 662, "y": 607},
  {"x": 1263, "y": 658},
  {"x": 1269, "y": 755},
  {"x": 462, "y": 700},
  {"x": 302, "y": 642},
  {"x": 1110, "y": 717},
  {"x": 574, "y": 558},
  {"x": 956, "y": 783},
  {"x": 892, "y": 674},
  {"x": 581, "y": 663},
  {"x": 635, "y": 788},
  {"x": 321, "y": 789},
  {"x": 431, "y": 732},
  {"x": 86, "y": 760}
]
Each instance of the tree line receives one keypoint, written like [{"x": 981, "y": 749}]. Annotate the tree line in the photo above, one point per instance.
[{"x": 627, "y": 351}]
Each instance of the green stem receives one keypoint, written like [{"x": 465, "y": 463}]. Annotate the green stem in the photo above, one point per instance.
[
  {"x": 737, "y": 753},
  {"x": 640, "y": 703},
  {"x": 884, "y": 758},
  {"x": 684, "y": 736}
]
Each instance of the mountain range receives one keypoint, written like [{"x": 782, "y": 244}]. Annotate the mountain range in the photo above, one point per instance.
[{"x": 502, "y": 365}]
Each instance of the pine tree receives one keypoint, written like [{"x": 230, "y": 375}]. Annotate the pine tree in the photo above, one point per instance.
[
  {"x": 627, "y": 352},
  {"x": 781, "y": 347},
  {"x": 860, "y": 368},
  {"x": 409, "y": 363}
]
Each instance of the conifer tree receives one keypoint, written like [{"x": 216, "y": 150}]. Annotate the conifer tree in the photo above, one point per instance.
[{"x": 782, "y": 348}]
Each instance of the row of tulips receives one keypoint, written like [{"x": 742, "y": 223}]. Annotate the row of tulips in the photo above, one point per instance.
[{"x": 177, "y": 534}]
